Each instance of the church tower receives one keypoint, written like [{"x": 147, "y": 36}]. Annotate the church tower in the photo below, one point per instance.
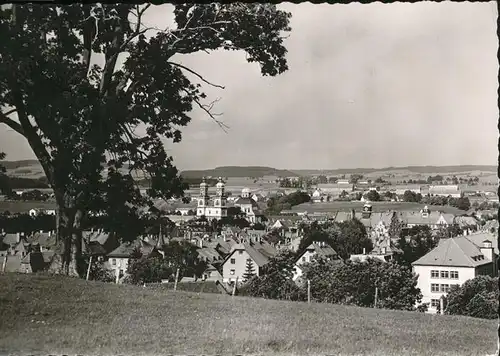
[
  {"x": 220, "y": 199},
  {"x": 204, "y": 198}
]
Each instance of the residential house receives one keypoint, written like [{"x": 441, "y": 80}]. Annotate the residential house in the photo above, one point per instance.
[
  {"x": 453, "y": 262},
  {"x": 118, "y": 259},
  {"x": 434, "y": 219},
  {"x": 235, "y": 264},
  {"x": 314, "y": 250}
]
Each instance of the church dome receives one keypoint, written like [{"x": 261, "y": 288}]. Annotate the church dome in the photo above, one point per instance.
[
  {"x": 245, "y": 191},
  {"x": 203, "y": 183},
  {"x": 316, "y": 194}
]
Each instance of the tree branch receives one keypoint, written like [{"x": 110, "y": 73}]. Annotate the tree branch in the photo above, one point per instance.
[
  {"x": 196, "y": 74},
  {"x": 11, "y": 123},
  {"x": 9, "y": 112},
  {"x": 207, "y": 109}
]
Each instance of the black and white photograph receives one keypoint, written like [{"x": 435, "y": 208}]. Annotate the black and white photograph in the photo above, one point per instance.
[{"x": 235, "y": 178}]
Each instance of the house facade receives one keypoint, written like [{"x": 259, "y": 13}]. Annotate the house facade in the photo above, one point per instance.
[
  {"x": 235, "y": 264},
  {"x": 453, "y": 262}
]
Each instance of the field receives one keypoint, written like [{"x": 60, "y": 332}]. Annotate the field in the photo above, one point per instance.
[
  {"x": 376, "y": 206},
  {"x": 57, "y": 315}
]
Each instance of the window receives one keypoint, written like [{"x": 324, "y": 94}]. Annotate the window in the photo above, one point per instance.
[
  {"x": 231, "y": 272},
  {"x": 434, "y": 287},
  {"x": 240, "y": 252},
  {"x": 454, "y": 274},
  {"x": 435, "y": 303},
  {"x": 113, "y": 261},
  {"x": 233, "y": 261},
  {"x": 445, "y": 274},
  {"x": 445, "y": 288},
  {"x": 303, "y": 259},
  {"x": 434, "y": 274}
]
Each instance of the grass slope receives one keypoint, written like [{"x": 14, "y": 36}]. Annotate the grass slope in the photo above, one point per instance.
[{"x": 60, "y": 315}]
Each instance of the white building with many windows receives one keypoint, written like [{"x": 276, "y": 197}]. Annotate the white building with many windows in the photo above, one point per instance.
[{"x": 453, "y": 262}]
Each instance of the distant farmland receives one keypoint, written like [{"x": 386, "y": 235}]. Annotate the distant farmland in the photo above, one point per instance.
[{"x": 377, "y": 207}]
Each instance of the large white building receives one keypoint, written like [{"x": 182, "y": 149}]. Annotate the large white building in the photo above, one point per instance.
[
  {"x": 217, "y": 209},
  {"x": 453, "y": 262}
]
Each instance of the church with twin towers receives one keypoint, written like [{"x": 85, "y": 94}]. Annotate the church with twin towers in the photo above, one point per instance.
[{"x": 216, "y": 209}]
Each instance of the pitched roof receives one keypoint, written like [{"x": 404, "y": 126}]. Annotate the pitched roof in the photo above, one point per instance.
[
  {"x": 45, "y": 239},
  {"x": 246, "y": 201},
  {"x": 465, "y": 221},
  {"x": 478, "y": 238},
  {"x": 322, "y": 250},
  {"x": 11, "y": 239},
  {"x": 209, "y": 253},
  {"x": 260, "y": 253},
  {"x": 456, "y": 251}
]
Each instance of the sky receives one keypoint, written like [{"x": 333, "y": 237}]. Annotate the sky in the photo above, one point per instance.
[{"x": 368, "y": 85}]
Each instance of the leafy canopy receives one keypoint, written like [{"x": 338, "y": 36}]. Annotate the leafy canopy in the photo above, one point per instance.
[{"x": 62, "y": 87}]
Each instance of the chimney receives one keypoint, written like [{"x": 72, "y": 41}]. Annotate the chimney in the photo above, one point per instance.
[
  {"x": 487, "y": 250},
  {"x": 384, "y": 250},
  {"x": 18, "y": 237},
  {"x": 364, "y": 251},
  {"x": 201, "y": 243}
]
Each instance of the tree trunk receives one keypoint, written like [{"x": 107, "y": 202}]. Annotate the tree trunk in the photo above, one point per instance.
[{"x": 67, "y": 259}]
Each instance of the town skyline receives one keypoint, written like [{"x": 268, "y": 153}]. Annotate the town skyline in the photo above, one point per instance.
[{"x": 368, "y": 86}]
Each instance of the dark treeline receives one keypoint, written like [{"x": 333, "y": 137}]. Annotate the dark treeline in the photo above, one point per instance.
[
  {"x": 13, "y": 223},
  {"x": 26, "y": 183}
]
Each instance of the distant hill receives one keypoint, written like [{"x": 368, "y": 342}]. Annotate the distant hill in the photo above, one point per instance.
[
  {"x": 414, "y": 169},
  {"x": 32, "y": 169},
  {"x": 238, "y": 171}
]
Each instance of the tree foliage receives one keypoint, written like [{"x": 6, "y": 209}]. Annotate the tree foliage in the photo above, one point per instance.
[
  {"x": 147, "y": 270},
  {"x": 5, "y": 187},
  {"x": 346, "y": 238},
  {"x": 354, "y": 283},
  {"x": 412, "y": 197},
  {"x": 417, "y": 243},
  {"x": 184, "y": 256},
  {"x": 249, "y": 270},
  {"x": 275, "y": 282},
  {"x": 99, "y": 272},
  {"x": 95, "y": 124},
  {"x": 478, "y": 297},
  {"x": 373, "y": 195}
]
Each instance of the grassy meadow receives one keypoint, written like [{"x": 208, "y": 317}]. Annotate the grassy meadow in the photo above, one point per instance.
[{"x": 55, "y": 315}]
